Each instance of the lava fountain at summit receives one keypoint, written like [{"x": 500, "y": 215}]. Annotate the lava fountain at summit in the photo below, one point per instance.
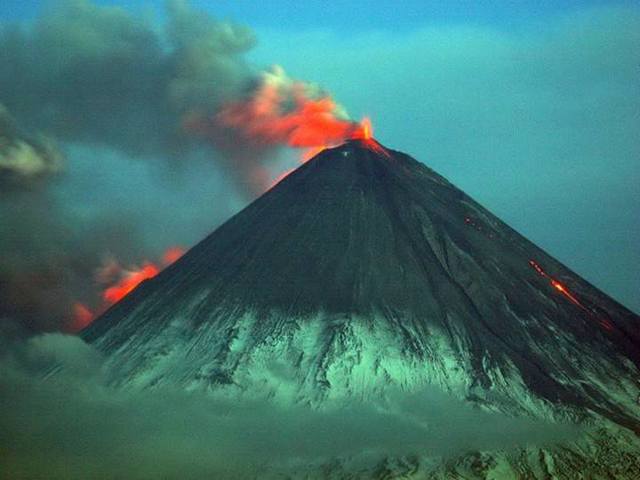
[
  {"x": 362, "y": 131},
  {"x": 358, "y": 131},
  {"x": 279, "y": 112}
]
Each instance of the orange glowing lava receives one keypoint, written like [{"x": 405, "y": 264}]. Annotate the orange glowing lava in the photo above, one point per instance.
[
  {"x": 171, "y": 255},
  {"x": 562, "y": 289},
  {"x": 120, "y": 282},
  {"x": 130, "y": 281},
  {"x": 364, "y": 132},
  {"x": 82, "y": 316},
  {"x": 558, "y": 286},
  {"x": 366, "y": 128}
]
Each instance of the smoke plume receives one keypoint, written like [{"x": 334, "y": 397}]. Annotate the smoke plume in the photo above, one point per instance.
[
  {"x": 280, "y": 111},
  {"x": 83, "y": 83},
  {"x": 98, "y": 74}
]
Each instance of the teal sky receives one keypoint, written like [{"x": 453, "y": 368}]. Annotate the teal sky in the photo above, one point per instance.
[
  {"x": 532, "y": 108},
  {"x": 538, "y": 123},
  {"x": 356, "y": 15}
]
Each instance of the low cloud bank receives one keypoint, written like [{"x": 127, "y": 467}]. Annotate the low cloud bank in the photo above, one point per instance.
[{"x": 70, "y": 425}]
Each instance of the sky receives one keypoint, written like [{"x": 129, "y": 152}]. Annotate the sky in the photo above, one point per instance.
[
  {"x": 529, "y": 107},
  {"x": 355, "y": 16},
  {"x": 535, "y": 117}
]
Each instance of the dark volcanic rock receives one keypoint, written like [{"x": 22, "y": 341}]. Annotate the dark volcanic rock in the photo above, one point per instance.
[{"x": 364, "y": 268}]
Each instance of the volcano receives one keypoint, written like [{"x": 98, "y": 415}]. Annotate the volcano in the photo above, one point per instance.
[{"x": 364, "y": 270}]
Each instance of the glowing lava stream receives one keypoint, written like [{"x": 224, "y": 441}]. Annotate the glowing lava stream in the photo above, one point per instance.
[
  {"x": 558, "y": 286},
  {"x": 123, "y": 284},
  {"x": 130, "y": 281},
  {"x": 568, "y": 295}
]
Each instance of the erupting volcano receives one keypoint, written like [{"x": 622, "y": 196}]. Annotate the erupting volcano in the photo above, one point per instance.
[{"x": 362, "y": 271}]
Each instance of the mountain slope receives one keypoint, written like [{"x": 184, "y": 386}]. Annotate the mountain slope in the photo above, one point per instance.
[{"x": 365, "y": 270}]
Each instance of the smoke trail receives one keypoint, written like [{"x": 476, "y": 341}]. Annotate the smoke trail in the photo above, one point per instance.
[
  {"x": 100, "y": 75},
  {"x": 105, "y": 80}
]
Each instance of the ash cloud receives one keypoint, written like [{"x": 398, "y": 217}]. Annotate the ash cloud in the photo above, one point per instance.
[
  {"x": 84, "y": 72},
  {"x": 86, "y": 89},
  {"x": 71, "y": 425},
  {"x": 279, "y": 111},
  {"x": 95, "y": 74},
  {"x": 49, "y": 256}
]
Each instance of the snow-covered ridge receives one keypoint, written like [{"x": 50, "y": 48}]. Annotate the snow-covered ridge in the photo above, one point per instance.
[{"x": 362, "y": 273}]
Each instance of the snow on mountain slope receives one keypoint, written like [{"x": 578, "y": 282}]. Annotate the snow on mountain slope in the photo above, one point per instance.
[{"x": 365, "y": 270}]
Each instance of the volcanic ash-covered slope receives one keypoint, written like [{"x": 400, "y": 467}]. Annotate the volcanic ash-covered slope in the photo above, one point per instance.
[{"x": 364, "y": 270}]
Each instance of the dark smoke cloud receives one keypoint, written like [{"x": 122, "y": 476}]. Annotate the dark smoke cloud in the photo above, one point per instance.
[
  {"x": 49, "y": 256},
  {"x": 92, "y": 82},
  {"x": 87, "y": 73},
  {"x": 99, "y": 74},
  {"x": 72, "y": 426}
]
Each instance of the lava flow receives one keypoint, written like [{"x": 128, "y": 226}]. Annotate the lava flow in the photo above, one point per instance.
[
  {"x": 557, "y": 285},
  {"x": 120, "y": 282},
  {"x": 569, "y": 295},
  {"x": 130, "y": 280}
]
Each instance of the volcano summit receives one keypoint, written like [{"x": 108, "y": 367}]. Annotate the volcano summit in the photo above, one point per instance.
[{"x": 362, "y": 271}]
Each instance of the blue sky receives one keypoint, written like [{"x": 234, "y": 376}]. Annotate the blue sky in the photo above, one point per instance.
[
  {"x": 346, "y": 16},
  {"x": 532, "y": 108}
]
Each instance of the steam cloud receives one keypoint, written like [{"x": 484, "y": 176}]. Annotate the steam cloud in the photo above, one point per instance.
[
  {"x": 94, "y": 79},
  {"x": 24, "y": 160},
  {"x": 73, "y": 426}
]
